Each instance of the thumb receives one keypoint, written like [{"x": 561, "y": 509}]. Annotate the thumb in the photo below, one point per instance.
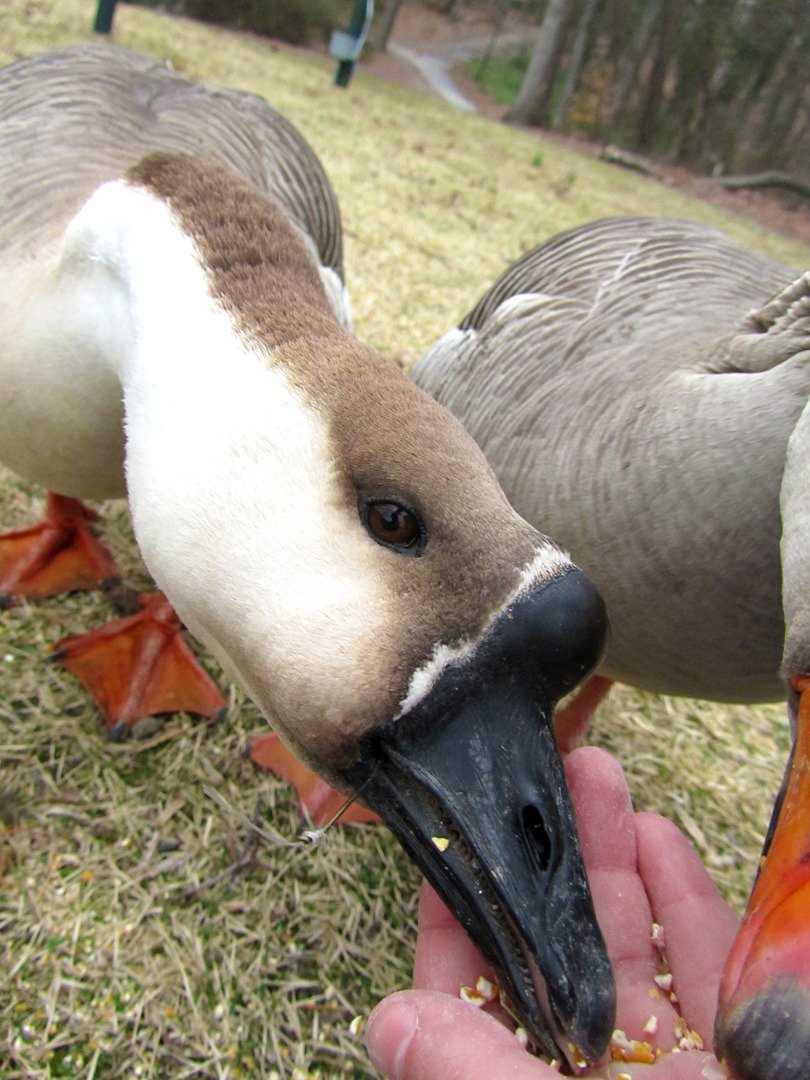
[{"x": 425, "y": 1035}]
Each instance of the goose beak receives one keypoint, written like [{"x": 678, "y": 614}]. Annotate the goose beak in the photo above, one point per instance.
[
  {"x": 763, "y": 1020},
  {"x": 472, "y": 784}
]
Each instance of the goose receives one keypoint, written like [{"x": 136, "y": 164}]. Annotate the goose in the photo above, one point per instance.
[
  {"x": 640, "y": 385},
  {"x": 74, "y": 141},
  {"x": 329, "y": 532}
]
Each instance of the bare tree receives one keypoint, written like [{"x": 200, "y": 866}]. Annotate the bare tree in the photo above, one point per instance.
[
  {"x": 531, "y": 106},
  {"x": 654, "y": 91},
  {"x": 785, "y": 101},
  {"x": 721, "y": 85},
  {"x": 383, "y": 32},
  {"x": 576, "y": 62},
  {"x": 634, "y": 57}
]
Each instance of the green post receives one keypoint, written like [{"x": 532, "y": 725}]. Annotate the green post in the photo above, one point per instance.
[
  {"x": 104, "y": 16},
  {"x": 344, "y": 72},
  {"x": 346, "y": 45}
]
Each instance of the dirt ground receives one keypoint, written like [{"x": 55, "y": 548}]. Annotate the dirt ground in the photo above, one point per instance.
[{"x": 421, "y": 27}]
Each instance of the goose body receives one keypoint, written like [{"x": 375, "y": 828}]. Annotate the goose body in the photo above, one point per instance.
[
  {"x": 331, "y": 533},
  {"x": 641, "y": 385},
  {"x": 634, "y": 391},
  {"x": 85, "y": 118}
]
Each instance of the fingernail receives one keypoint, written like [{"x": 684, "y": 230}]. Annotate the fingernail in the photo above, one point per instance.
[{"x": 391, "y": 1027}]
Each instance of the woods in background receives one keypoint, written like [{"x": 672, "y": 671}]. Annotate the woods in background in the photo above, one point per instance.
[{"x": 720, "y": 85}]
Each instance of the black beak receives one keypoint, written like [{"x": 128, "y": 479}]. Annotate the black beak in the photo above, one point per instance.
[{"x": 476, "y": 764}]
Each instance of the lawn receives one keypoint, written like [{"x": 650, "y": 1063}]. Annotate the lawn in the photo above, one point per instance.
[{"x": 158, "y": 917}]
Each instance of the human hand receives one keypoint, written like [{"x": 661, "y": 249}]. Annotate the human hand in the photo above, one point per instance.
[{"x": 641, "y": 870}]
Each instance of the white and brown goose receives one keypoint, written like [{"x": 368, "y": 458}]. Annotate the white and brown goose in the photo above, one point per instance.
[
  {"x": 638, "y": 386},
  {"x": 331, "y": 533}
]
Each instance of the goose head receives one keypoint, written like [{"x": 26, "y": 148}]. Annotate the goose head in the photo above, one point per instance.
[{"x": 338, "y": 541}]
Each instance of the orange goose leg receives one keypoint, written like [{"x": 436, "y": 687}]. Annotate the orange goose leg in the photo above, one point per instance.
[
  {"x": 572, "y": 721},
  {"x": 763, "y": 1019},
  {"x": 321, "y": 801},
  {"x": 132, "y": 667},
  {"x": 138, "y": 666},
  {"x": 58, "y": 555}
]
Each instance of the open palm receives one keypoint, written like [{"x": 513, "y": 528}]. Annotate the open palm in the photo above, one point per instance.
[{"x": 642, "y": 872}]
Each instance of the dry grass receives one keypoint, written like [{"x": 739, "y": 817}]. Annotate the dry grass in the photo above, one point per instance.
[{"x": 157, "y": 917}]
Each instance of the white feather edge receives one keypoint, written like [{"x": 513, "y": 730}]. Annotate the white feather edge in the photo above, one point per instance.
[{"x": 548, "y": 562}]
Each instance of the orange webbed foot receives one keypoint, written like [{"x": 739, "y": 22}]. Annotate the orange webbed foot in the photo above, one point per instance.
[
  {"x": 763, "y": 1019},
  {"x": 572, "y": 722},
  {"x": 58, "y": 555},
  {"x": 138, "y": 666},
  {"x": 321, "y": 801}
]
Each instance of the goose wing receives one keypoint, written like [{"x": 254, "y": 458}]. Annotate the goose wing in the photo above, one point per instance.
[
  {"x": 88, "y": 113},
  {"x": 634, "y": 383}
]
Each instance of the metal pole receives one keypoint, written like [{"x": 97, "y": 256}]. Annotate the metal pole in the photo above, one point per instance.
[{"x": 104, "y": 16}]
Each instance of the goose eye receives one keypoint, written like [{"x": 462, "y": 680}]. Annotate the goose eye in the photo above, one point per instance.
[{"x": 395, "y": 526}]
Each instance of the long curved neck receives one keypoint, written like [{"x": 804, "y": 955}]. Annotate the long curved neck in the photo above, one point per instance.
[
  {"x": 126, "y": 244},
  {"x": 795, "y": 548},
  {"x": 197, "y": 256},
  {"x": 219, "y": 442}
]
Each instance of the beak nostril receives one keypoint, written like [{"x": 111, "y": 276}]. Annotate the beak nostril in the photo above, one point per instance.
[{"x": 539, "y": 840}]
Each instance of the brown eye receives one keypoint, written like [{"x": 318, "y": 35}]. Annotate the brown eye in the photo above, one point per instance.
[{"x": 394, "y": 525}]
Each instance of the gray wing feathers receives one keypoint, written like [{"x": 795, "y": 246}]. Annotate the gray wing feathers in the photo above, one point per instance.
[
  {"x": 634, "y": 387},
  {"x": 633, "y": 259},
  {"x": 668, "y": 293},
  {"x": 107, "y": 107}
]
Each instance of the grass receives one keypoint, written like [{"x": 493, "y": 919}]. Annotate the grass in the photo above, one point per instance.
[
  {"x": 501, "y": 77},
  {"x": 141, "y": 937}
]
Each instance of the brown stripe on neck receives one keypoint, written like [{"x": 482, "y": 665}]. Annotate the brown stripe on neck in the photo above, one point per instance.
[{"x": 258, "y": 266}]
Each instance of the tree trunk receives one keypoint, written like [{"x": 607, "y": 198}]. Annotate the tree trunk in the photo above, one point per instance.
[
  {"x": 654, "y": 95},
  {"x": 785, "y": 101},
  {"x": 383, "y": 32},
  {"x": 575, "y": 63},
  {"x": 634, "y": 58},
  {"x": 531, "y": 106}
]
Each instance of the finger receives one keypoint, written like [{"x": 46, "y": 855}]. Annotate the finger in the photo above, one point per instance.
[
  {"x": 603, "y": 809},
  {"x": 606, "y": 825},
  {"x": 445, "y": 958},
  {"x": 692, "y": 1065},
  {"x": 699, "y": 926},
  {"x": 420, "y": 1035}
]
